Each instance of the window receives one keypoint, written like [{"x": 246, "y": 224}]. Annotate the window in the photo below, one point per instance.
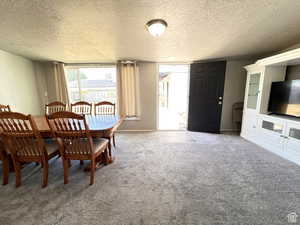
[{"x": 92, "y": 84}]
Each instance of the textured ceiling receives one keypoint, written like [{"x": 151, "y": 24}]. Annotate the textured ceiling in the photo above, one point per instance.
[{"x": 107, "y": 30}]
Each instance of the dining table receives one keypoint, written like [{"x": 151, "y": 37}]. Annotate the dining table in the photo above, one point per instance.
[{"x": 100, "y": 126}]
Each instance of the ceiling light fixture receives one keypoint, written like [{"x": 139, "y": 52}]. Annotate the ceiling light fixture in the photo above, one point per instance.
[{"x": 156, "y": 27}]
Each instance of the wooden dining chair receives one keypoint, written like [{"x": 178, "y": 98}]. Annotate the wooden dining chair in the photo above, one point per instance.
[
  {"x": 24, "y": 142},
  {"x": 5, "y": 163},
  {"x": 82, "y": 107},
  {"x": 106, "y": 108},
  {"x": 53, "y": 107},
  {"x": 75, "y": 141},
  {"x": 4, "y": 108}
]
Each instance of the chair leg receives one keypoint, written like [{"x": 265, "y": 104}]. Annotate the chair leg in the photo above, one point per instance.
[
  {"x": 45, "y": 173},
  {"x": 5, "y": 166},
  {"x": 93, "y": 167},
  {"x": 17, "y": 173},
  {"x": 106, "y": 158},
  {"x": 69, "y": 163},
  {"x": 114, "y": 141},
  {"x": 109, "y": 147},
  {"x": 66, "y": 170},
  {"x": 81, "y": 162}
]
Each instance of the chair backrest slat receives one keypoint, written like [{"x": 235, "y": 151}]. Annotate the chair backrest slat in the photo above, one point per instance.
[
  {"x": 4, "y": 108},
  {"x": 73, "y": 130},
  {"x": 82, "y": 107},
  {"x": 21, "y": 134},
  {"x": 105, "y": 108},
  {"x": 55, "y": 107}
]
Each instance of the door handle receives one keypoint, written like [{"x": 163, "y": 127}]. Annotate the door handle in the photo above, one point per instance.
[{"x": 285, "y": 137}]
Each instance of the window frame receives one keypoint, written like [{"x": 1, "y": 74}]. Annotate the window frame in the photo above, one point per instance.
[{"x": 90, "y": 65}]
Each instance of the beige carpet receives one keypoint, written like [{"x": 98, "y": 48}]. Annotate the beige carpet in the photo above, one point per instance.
[{"x": 162, "y": 178}]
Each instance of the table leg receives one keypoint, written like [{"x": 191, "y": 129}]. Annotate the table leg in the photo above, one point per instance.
[
  {"x": 100, "y": 162},
  {"x": 111, "y": 159}
]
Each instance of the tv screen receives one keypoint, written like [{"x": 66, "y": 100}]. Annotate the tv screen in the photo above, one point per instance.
[{"x": 285, "y": 98}]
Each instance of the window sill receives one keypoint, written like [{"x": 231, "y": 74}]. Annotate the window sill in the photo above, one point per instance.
[{"x": 132, "y": 118}]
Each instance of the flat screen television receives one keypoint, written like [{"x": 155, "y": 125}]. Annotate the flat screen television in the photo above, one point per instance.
[{"x": 285, "y": 98}]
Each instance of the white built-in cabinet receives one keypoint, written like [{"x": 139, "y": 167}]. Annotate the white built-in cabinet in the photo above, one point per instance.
[
  {"x": 258, "y": 86},
  {"x": 278, "y": 134}
]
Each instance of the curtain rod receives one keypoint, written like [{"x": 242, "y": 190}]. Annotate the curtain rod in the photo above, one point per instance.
[
  {"x": 128, "y": 62},
  {"x": 90, "y": 64},
  {"x": 101, "y": 64}
]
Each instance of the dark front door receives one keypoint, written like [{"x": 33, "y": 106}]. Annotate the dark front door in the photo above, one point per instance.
[{"x": 206, "y": 96}]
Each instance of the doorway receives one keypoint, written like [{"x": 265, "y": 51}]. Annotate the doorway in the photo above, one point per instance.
[{"x": 173, "y": 96}]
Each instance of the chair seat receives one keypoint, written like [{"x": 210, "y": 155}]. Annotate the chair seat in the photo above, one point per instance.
[
  {"x": 100, "y": 144},
  {"x": 82, "y": 146},
  {"x": 51, "y": 147}
]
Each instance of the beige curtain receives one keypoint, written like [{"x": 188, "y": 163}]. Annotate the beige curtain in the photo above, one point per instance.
[
  {"x": 128, "y": 89},
  {"x": 61, "y": 83}
]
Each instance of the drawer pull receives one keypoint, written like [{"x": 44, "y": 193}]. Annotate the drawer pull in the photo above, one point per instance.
[{"x": 285, "y": 137}]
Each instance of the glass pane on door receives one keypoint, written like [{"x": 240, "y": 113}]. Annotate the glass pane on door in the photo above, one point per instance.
[{"x": 253, "y": 91}]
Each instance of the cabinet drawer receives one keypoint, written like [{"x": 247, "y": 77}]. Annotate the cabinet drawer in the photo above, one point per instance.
[
  {"x": 272, "y": 127},
  {"x": 272, "y": 134}
]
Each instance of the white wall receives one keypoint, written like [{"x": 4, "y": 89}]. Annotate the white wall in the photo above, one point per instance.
[
  {"x": 235, "y": 80},
  {"x": 18, "y": 84},
  {"x": 148, "y": 95},
  {"x": 234, "y": 90},
  {"x": 293, "y": 72}
]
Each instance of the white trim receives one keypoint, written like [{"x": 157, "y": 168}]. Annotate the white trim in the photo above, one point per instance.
[
  {"x": 134, "y": 131},
  {"x": 230, "y": 130},
  {"x": 132, "y": 118},
  {"x": 172, "y": 130},
  {"x": 280, "y": 59},
  {"x": 175, "y": 63},
  {"x": 157, "y": 96},
  {"x": 253, "y": 68},
  {"x": 188, "y": 96}
]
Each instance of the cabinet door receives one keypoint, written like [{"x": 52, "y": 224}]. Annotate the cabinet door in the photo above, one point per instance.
[
  {"x": 272, "y": 136},
  {"x": 292, "y": 147},
  {"x": 250, "y": 125},
  {"x": 253, "y": 90}
]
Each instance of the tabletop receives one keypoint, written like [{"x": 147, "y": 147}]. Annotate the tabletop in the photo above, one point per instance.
[{"x": 95, "y": 122}]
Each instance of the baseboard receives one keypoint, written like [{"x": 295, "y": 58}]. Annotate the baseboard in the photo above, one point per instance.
[
  {"x": 229, "y": 130},
  {"x": 134, "y": 131}
]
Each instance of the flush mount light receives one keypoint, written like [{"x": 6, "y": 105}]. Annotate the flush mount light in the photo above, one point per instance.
[{"x": 156, "y": 27}]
